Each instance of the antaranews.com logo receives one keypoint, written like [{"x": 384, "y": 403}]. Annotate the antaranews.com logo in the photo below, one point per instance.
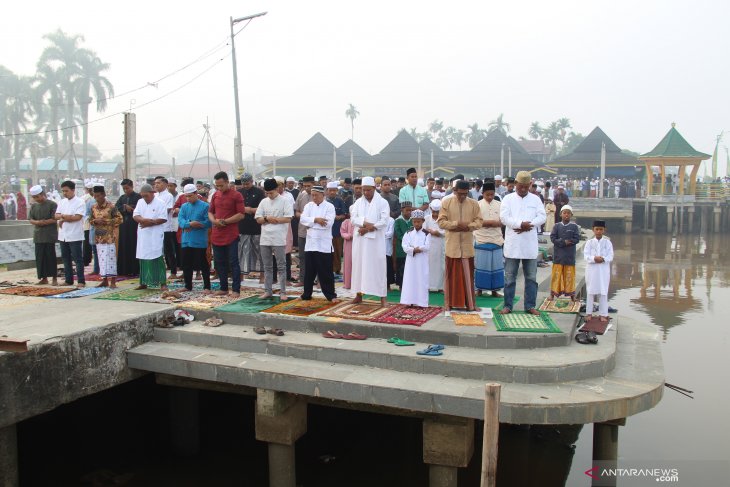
[{"x": 611, "y": 474}]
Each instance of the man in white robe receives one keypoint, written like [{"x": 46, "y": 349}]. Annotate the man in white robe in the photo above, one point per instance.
[
  {"x": 598, "y": 253},
  {"x": 151, "y": 215},
  {"x": 437, "y": 251},
  {"x": 416, "y": 243},
  {"x": 369, "y": 215}
]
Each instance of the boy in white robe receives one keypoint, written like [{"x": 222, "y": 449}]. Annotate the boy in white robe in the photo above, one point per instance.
[
  {"x": 437, "y": 251},
  {"x": 416, "y": 243},
  {"x": 598, "y": 253}
]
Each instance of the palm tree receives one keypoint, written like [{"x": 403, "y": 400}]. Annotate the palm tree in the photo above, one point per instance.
[
  {"x": 475, "y": 135},
  {"x": 91, "y": 78},
  {"x": 435, "y": 127},
  {"x": 48, "y": 101},
  {"x": 352, "y": 114},
  {"x": 499, "y": 124},
  {"x": 535, "y": 130},
  {"x": 563, "y": 125},
  {"x": 551, "y": 136},
  {"x": 15, "y": 113},
  {"x": 65, "y": 56}
]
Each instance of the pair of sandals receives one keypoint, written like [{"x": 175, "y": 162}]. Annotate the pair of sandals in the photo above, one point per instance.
[
  {"x": 350, "y": 336},
  {"x": 586, "y": 337},
  {"x": 432, "y": 350},
  {"x": 260, "y": 330}
]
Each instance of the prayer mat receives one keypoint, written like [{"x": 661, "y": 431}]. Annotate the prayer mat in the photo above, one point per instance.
[
  {"x": 128, "y": 294},
  {"x": 437, "y": 299},
  {"x": 253, "y": 304},
  {"x": 467, "y": 319},
  {"x": 407, "y": 315},
  {"x": 98, "y": 278},
  {"x": 79, "y": 293},
  {"x": 365, "y": 311},
  {"x": 525, "y": 322},
  {"x": 33, "y": 291},
  {"x": 595, "y": 325},
  {"x": 197, "y": 285},
  {"x": 299, "y": 307},
  {"x": 560, "y": 305},
  {"x": 206, "y": 302}
]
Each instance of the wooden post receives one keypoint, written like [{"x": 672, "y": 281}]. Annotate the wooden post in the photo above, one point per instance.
[{"x": 491, "y": 434}]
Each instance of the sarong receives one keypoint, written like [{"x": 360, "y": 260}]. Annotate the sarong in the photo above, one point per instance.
[
  {"x": 45, "y": 260},
  {"x": 562, "y": 280},
  {"x": 459, "y": 283},
  {"x": 107, "y": 254},
  {"x": 153, "y": 272},
  {"x": 489, "y": 262},
  {"x": 249, "y": 253}
]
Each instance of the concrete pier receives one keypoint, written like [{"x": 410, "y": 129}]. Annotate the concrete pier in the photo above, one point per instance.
[
  {"x": 184, "y": 421},
  {"x": 605, "y": 447},
  {"x": 9, "y": 456},
  {"x": 448, "y": 444}
]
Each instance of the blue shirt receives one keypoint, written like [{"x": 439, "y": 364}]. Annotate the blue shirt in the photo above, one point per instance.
[
  {"x": 340, "y": 209},
  {"x": 196, "y": 238}
]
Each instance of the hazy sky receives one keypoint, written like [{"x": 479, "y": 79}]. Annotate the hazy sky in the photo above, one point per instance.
[{"x": 631, "y": 67}]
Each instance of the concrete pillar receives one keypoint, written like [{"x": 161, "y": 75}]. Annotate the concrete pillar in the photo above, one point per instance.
[
  {"x": 605, "y": 448},
  {"x": 9, "y": 456},
  {"x": 670, "y": 215},
  {"x": 652, "y": 218},
  {"x": 448, "y": 443},
  {"x": 690, "y": 218},
  {"x": 628, "y": 225},
  {"x": 281, "y": 419},
  {"x": 184, "y": 421},
  {"x": 717, "y": 212}
]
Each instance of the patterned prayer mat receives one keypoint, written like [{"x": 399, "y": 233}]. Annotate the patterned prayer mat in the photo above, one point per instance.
[
  {"x": 80, "y": 293},
  {"x": 98, "y": 278},
  {"x": 207, "y": 302},
  {"x": 525, "y": 322},
  {"x": 407, "y": 315},
  {"x": 365, "y": 311},
  {"x": 197, "y": 285},
  {"x": 33, "y": 291},
  {"x": 253, "y": 304},
  {"x": 560, "y": 305},
  {"x": 595, "y": 325},
  {"x": 467, "y": 319},
  {"x": 128, "y": 294},
  {"x": 299, "y": 307},
  {"x": 437, "y": 299}
]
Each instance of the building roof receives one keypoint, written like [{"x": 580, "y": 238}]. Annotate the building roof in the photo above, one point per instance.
[
  {"x": 674, "y": 145},
  {"x": 535, "y": 146},
  {"x": 359, "y": 155},
  {"x": 46, "y": 164},
  {"x": 588, "y": 153},
  {"x": 488, "y": 152},
  {"x": 317, "y": 152},
  {"x": 403, "y": 151}
]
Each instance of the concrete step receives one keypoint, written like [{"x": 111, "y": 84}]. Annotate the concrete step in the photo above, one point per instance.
[
  {"x": 634, "y": 385},
  {"x": 525, "y": 366},
  {"x": 440, "y": 329}
]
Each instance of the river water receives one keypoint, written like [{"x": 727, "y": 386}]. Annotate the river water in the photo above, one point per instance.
[{"x": 680, "y": 285}]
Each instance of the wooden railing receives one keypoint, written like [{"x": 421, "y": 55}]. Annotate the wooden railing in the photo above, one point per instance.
[{"x": 712, "y": 191}]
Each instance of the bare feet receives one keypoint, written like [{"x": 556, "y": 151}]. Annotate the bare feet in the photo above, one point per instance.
[
  {"x": 383, "y": 301},
  {"x": 113, "y": 285},
  {"x": 358, "y": 299},
  {"x": 207, "y": 291},
  {"x": 43, "y": 281},
  {"x": 221, "y": 293},
  {"x": 496, "y": 294},
  {"x": 479, "y": 292},
  {"x": 589, "y": 317},
  {"x": 235, "y": 295},
  {"x": 505, "y": 311},
  {"x": 81, "y": 284},
  {"x": 551, "y": 298},
  {"x": 533, "y": 311},
  {"x": 603, "y": 319},
  {"x": 140, "y": 287},
  {"x": 54, "y": 282},
  {"x": 103, "y": 283},
  {"x": 266, "y": 295},
  {"x": 284, "y": 297},
  {"x": 164, "y": 288}
]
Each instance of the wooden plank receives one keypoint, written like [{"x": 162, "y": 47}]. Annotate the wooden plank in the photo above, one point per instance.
[{"x": 13, "y": 345}]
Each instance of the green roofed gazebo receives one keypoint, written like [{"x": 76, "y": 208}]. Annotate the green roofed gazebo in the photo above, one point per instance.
[{"x": 673, "y": 150}]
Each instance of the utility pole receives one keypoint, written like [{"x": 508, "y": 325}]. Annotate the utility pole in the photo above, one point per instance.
[{"x": 237, "y": 149}]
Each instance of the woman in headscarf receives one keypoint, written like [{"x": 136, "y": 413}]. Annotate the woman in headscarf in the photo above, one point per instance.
[
  {"x": 22, "y": 207},
  {"x": 10, "y": 207}
]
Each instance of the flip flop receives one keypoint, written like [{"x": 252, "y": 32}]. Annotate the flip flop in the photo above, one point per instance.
[
  {"x": 213, "y": 322},
  {"x": 332, "y": 334},
  {"x": 260, "y": 330},
  {"x": 399, "y": 342},
  {"x": 430, "y": 352},
  {"x": 586, "y": 338},
  {"x": 354, "y": 336},
  {"x": 275, "y": 331},
  {"x": 437, "y": 346}
]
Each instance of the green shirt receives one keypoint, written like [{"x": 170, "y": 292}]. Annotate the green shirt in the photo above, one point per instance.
[
  {"x": 418, "y": 197},
  {"x": 44, "y": 211},
  {"x": 400, "y": 228}
]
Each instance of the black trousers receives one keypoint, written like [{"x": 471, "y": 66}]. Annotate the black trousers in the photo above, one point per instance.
[
  {"x": 400, "y": 267},
  {"x": 170, "y": 254},
  {"x": 288, "y": 269},
  {"x": 319, "y": 265},
  {"x": 87, "y": 250},
  {"x": 195, "y": 260},
  {"x": 390, "y": 272}
]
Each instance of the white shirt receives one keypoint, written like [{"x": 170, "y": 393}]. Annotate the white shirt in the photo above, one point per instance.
[
  {"x": 150, "y": 240},
  {"x": 288, "y": 197},
  {"x": 389, "y": 230},
  {"x": 71, "y": 231},
  {"x": 513, "y": 211},
  {"x": 319, "y": 238},
  {"x": 274, "y": 234},
  {"x": 169, "y": 201}
]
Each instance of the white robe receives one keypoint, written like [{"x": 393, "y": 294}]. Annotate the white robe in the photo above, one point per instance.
[
  {"x": 368, "y": 264},
  {"x": 598, "y": 276},
  {"x": 436, "y": 256},
  {"x": 150, "y": 240},
  {"x": 415, "y": 276}
]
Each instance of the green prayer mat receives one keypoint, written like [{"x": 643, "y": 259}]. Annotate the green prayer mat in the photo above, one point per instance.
[
  {"x": 253, "y": 304},
  {"x": 526, "y": 322},
  {"x": 437, "y": 299},
  {"x": 128, "y": 294}
]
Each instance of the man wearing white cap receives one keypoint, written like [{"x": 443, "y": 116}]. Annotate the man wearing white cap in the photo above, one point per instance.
[
  {"x": 194, "y": 223},
  {"x": 437, "y": 251},
  {"x": 291, "y": 187},
  {"x": 151, "y": 214},
  {"x": 369, "y": 215},
  {"x": 45, "y": 234},
  {"x": 500, "y": 189}
]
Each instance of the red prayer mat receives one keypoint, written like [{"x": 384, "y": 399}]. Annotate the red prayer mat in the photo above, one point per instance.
[
  {"x": 402, "y": 314},
  {"x": 595, "y": 325}
]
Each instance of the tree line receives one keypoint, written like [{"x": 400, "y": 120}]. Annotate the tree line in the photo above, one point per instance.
[{"x": 49, "y": 110}]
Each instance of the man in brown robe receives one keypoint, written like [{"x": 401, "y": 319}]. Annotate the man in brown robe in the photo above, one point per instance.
[{"x": 459, "y": 216}]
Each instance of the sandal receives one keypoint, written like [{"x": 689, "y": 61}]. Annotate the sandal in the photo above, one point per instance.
[
  {"x": 430, "y": 352},
  {"x": 332, "y": 334},
  {"x": 260, "y": 330},
  {"x": 166, "y": 322},
  {"x": 213, "y": 322},
  {"x": 275, "y": 331},
  {"x": 354, "y": 336},
  {"x": 586, "y": 337},
  {"x": 399, "y": 342}
]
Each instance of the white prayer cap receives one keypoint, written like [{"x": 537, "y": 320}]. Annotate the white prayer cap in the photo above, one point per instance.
[
  {"x": 566, "y": 207},
  {"x": 560, "y": 186},
  {"x": 418, "y": 214},
  {"x": 332, "y": 184},
  {"x": 279, "y": 179},
  {"x": 172, "y": 181},
  {"x": 435, "y": 205},
  {"x": 497, "y": 177},
  {"x": 89, "y": 185},
  {"x": 291, "y": 180},
  {"x": 420, "y": 181},
  {"x": 437, "y": 195},
  {"x": 36, "y": 190},
  {"x": 189, "y": 188},
  {"x": 368, "y": 181}
]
